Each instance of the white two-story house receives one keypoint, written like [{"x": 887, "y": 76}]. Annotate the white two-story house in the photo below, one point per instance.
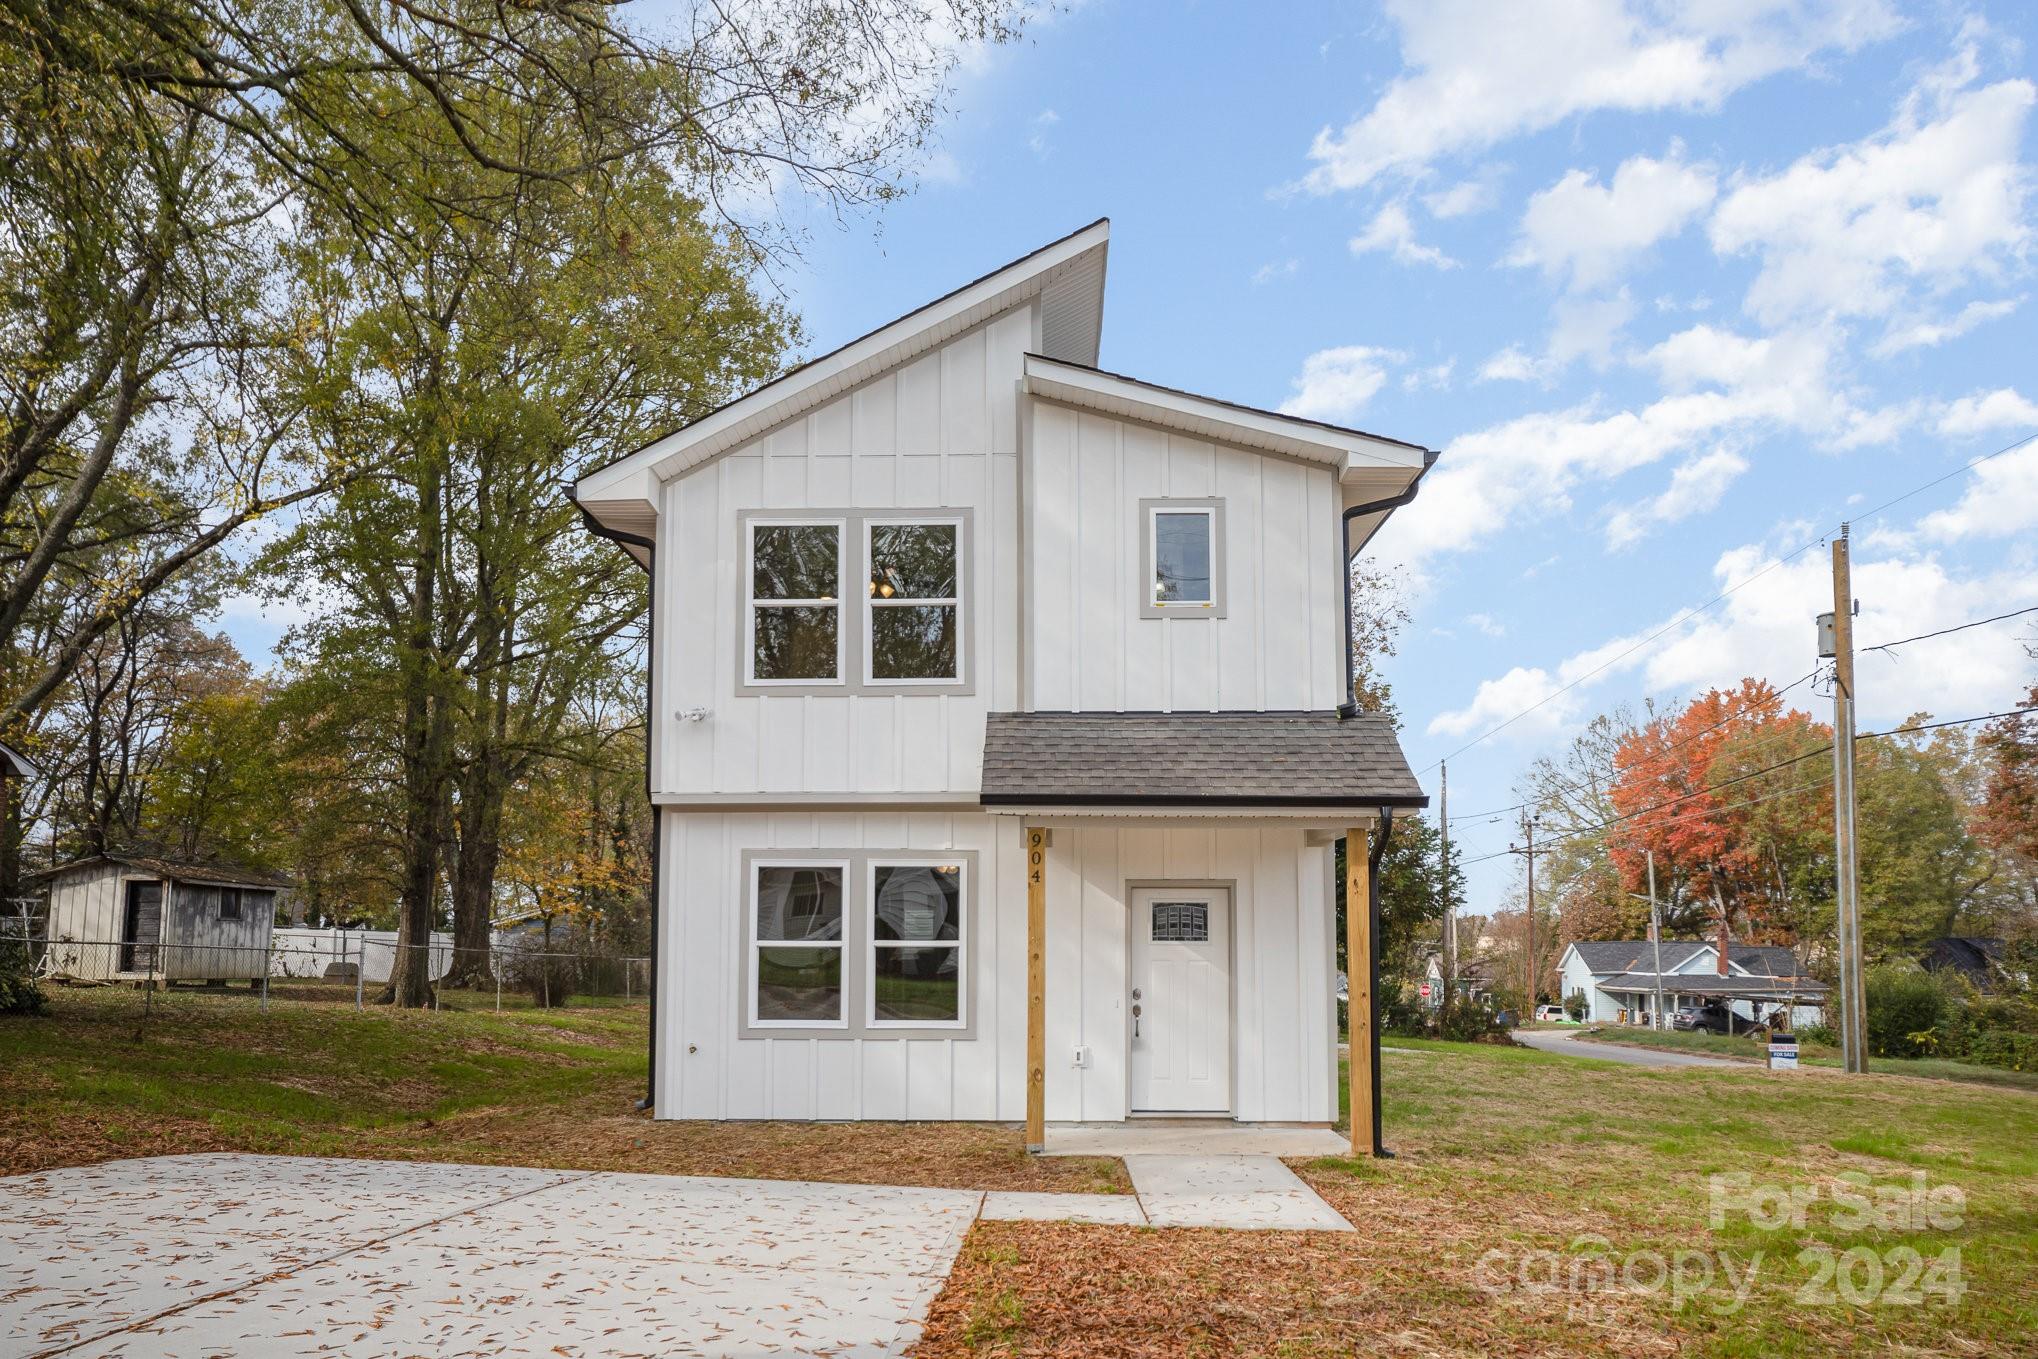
[{"x": 994, "y": 727}]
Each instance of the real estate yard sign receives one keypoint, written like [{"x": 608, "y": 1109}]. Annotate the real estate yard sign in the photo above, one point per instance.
[{"x": 1783, "y": 1052}]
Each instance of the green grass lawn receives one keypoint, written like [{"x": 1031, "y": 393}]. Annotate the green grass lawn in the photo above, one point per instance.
[
  {"x": 1814, "y": 1054},
  {"x": 103, "y": 1075},
  {"x": 1516, "y": 1165}
]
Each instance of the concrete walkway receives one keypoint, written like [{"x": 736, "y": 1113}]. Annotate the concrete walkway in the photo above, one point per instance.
[
  {"x": 274, "y": 1255},
  {"x": 1573, "y": 1045}
]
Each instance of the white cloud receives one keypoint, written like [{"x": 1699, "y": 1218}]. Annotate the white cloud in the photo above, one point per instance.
[
  {"x": 1477, "y": 73},
  {"x": 1695, "y": 487},
  {"x": 1336, "y": 384},
  {"x": 1852, "y": 230},
  {"x": 1764, "y": 629},
  {"x": 1928, "y": 334},
  {"x": 1436, "y": 377},
  {"x": 1721, "y": 385},
  {"x": 1036, "y": 140},
  {"x": 1582, "y": 328},
  {"x": 1588, "y": 233},
  {"x": 1391, "y": 231},
  {"x": 1466, "y": 197},
  {"x": 1486, "y": 624},
  {"x": 2000, "y": 501},
  {"x": 1274, "y": 269},
  {"x": 1985, "y": 412}
]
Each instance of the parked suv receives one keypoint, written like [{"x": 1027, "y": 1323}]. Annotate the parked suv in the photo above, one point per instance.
[{"x": 1714, "y": 1017}]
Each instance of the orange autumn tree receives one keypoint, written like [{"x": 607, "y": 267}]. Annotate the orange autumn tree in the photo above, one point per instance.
[{"x": 1726, "y": 793}]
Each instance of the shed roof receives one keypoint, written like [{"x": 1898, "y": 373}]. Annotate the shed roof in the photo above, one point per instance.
[
  {"x": 1237, "y": 759},
  {"x": 178, "y": 870},
  {"x": 1603, "y": 957}
]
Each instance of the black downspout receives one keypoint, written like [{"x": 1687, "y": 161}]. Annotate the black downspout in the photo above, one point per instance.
[
  {"x": 1379, "y": 852},
  {"x": 649, "y": 1103},
  {"x": 1350, "y": 707}
]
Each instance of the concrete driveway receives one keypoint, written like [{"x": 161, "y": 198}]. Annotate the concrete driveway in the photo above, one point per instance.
[
  {"x": 272, "y": 1256},
  {"x": 1570, "y": 1044}
]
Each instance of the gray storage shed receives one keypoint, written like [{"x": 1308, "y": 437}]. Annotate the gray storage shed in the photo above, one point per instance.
[{"x": 133, "y": 917}]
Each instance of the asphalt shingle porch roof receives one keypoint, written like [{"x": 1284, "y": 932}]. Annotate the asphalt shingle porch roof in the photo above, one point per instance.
[{"x": 1276, "y": 759}]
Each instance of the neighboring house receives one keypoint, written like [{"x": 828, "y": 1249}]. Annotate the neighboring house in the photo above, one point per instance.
[
  {"x": 137, "y": 917},
  {"x": 1619, "y": 979},
  {"x": 1976, "y": 960},
  {"x": 965, "y": 649}
]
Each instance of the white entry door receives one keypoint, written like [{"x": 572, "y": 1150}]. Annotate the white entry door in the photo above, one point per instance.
[{"x": 1180, "y": 1000}]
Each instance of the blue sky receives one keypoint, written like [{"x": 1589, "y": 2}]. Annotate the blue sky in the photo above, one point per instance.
[{"x": 1675, "y": 288}]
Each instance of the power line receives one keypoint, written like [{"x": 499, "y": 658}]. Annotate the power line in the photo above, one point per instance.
[
  {"x": 1691, "y": 613},
  {"x": 1578, "y": 831},
  {"x": 1737, "y": 715},
  {"x": 1958, "y": 627}
]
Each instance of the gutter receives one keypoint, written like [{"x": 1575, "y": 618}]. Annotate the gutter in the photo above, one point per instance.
[
  {"x": 648, "y": 1104},
  {"x": 1350, "y": 707},
  {"x": 1379, "y": 852}
]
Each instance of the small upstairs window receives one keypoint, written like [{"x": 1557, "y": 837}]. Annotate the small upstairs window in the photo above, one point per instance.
[
  {"x": 1183, "y": 543},
  {"x": 795, "y": 605}
]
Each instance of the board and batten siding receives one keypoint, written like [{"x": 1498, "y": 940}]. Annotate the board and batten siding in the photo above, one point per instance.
[
  {"x": 940, "y": 432},
  {"x": 1277, "y": 645},
  {"x": 85, "y": 921},
  {"x": 1282, "y": 1028}
]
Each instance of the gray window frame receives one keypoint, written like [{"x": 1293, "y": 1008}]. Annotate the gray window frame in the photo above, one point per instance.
[
  {"x": 852, "y": 628},
  {"x": 1148, "y": 508},
  {"x": 859, "y": 953}
]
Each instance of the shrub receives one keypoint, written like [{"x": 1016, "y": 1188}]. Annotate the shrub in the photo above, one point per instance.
[
  {"x": 19, "y": 994},
  {"x": 1464, "y": 1022},
  {"x": 1906, "y": 1008},
  {"x": 1574, "y": 1004},
  {"x": 1818, "y": 1034},
  {"x": 2008, "y": 1050}
]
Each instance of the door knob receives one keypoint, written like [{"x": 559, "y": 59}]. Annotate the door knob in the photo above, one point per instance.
[{"x": 1135, "y": 1018}]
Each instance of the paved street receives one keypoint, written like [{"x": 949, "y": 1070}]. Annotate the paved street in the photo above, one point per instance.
[{"x": 1569, "y": 1044}]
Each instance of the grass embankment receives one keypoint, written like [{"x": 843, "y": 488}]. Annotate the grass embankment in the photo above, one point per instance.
[
  {"x": 1815, "y": 1054},
  {"x": 1514, "y": 1161},
  {"x": 90, "y": 1081}
]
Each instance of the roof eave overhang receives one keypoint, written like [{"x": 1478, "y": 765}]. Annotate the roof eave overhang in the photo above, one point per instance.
[
  {"x": 1067, "y": 276},
  {"x": 1368, "y": 466},
  {"x": 1019, "y": 802}
]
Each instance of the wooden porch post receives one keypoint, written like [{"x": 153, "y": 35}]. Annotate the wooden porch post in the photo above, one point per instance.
[
  {"x": 1036, "y": 988},
  {"x": 1359, "y": 987}
]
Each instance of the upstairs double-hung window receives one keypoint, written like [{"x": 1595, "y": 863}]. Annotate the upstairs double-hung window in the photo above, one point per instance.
[
  {"x": 795, "y": 631},
  {"x": 914, "y": 617}
]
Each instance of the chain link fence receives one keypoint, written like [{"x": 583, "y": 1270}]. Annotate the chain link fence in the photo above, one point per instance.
[{"x": 332, "y": 968}]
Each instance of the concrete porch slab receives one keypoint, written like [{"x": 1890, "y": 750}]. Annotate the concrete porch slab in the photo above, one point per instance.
[
  {"x": 1253, "y": 1192},
  {"x": 1120, "y": 1210},
  {"x": 1190, "y": 1137}
]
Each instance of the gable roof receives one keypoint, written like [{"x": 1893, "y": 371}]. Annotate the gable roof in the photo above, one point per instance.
[
  {"x": 1607, "y": 957},
  {"x": 619, "y": 499},
  {"x": 177, "y": 870},
  {"x": 1257, "y": 759}
]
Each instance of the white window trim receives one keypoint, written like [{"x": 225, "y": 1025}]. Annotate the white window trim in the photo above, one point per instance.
[
  {"x": 1212, "y": 510},
  {"x": 871, "y": 943},
  {"x": 751, "y": 604},
  {"x": 756, "y": 945},
  {"x": 871, "y": 604}
]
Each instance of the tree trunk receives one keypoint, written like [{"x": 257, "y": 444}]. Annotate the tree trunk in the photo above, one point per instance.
[{"x": 427, "y": 742}]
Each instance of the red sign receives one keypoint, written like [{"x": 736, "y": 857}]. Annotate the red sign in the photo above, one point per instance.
[{"x": 1424, "y": 988}]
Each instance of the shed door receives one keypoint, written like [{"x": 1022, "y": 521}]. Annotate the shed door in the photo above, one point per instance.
[
  {"x": 1181, "y": 1000},
  {"x": 141, "y": 926}
]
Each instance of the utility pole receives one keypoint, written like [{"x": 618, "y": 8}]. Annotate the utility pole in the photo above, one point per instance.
[
  {"x": 1528, "y": 848},
  {"x": 1450, "y": 906},
  {"x": 1836, "y": 638},
  {"x": 1656, "y": 938}
]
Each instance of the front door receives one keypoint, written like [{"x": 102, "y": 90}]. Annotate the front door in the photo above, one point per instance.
[
  {"x": 141, "y": 926},
  {"x": 1181, "y": 1000}
]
